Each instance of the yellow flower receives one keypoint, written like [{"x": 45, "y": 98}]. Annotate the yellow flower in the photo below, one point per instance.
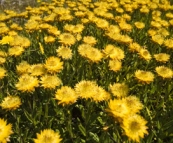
[
  {"x": 67, "y": 39},
  {"x": 86, "y": 89},
  {"x": 133, "y": 103},
  {"x": 119, "y": 89},
  {"x": 158, "y": 39},
  {"x": 64, "y": 52},
  {"x": 134, "y": 47},
  {"x": 139, "y": 25},
  {"x": 2, "y": 60},
  {"x": 78, "y": 28},
  {"x": 118, "y": 109},
  {"x": 49, "y": 39},
  {"x": 162, "y": 57},
  {"x": 53, "y": 64},
  {"x": 15, "y": 51},
  {"x": 5, "y": 131},
  {"x": 53, "y": 30},
  {"x": 102, "y": 23},
  {"x": 101, "y": 95},
  {"x": 164, "y": 72},
  {"x": 115, "y": 65},
  {"x": 144, "y": 53},
  {"x": 66, "y": 95},
  {"x": 144, "y": 76},
  {"x": 134, "y": 127},
  {"x": 114, "y": 52},
  {"x": 6, "y": 40},
  {"x": 89, "y": 40},
  {"x": 169, "y": 43},
  {"x": 2, "y": 73},
  {"x": 48, "y": 136},
  {"x": 125, "y": 26},
  {"x": 11, "y": 102},
  {"x": 37, "y": 69},
  {"x": 15, "y": 26},
  {"x": 50, "y": 81},
  {"x": 23, "y": 67},
  {"x": 27, "y": 83}
]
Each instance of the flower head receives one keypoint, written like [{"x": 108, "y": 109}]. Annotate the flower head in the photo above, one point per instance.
[
  {"x": 67, "y": 39},
  {"x": 164, "y": 72},
  {"x": 5, "y": 131},
  {"x": 2, "y": 73},
  {"x": 115, "y": 65},
  {"x": 53, "y": 65},
  {"x": 64, "y": 52},
  {"x": 27, "y": 83},
  {"x": 134, "y": 127},
  {"x": 162, "y": 57},
  {"x": 11, "y": 102},
  {"x": 66, "y": 95},
  {"x": 48, "y": 136},
  {"x": 144, "y": 76},
  {"x": 50, "y": 81}
]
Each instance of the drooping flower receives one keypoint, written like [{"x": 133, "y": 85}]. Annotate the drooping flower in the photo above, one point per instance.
[
  {"x": 5, "y": 131},
  {"x": 48, "y": 136},
  {"x": 53, "y": 64},
  {"x": 134, "y": 127},
  {"x": 27, "y": 83},
  {"x": 66, "y": 95},
  {"x": 11, "y": 102}
]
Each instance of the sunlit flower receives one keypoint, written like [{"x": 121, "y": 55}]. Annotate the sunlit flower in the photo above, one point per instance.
[
  {"x": 144, "y": 76},
  {"x": 36, "y": 69},
  {"x": 89, "y": 40},
  {"x": 139, "y": 25},
  {"x": 6, "y": 40},
  {"x": 48, "y": 136},
  {"x": 2, "y": 73},
  {"x": 11, "y": 102},
  {"x": 134, "y": 47},
  {"x": 67, "y": 39},
  {"x": 49, "y": 39},
  {"x": 162, "y": 57},
  {"x": 23, "y": 67},
  {"x": 5, "y": 131},
  {"x": 27, "y": 83},
  {"x": 144, "y": 53},
  {"x": 164, "y": 72},
  {"x": 64, "y": 52},
  {"x": 134, "y": 127},
  {"x": 86, "y": 89},
  {"x": 53, "y": 64},
  {"x": 119, "y": 89},
  {"x": 50, "y": 81},
  {"x": 66, "y": 95},
  {"x": 115, "y": 65},
  {"x": 133, "y": 104},
  {"x": 15, "y": 51}
]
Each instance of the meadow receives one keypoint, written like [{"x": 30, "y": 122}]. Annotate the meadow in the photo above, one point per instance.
[{"x": 87, "y": 71}]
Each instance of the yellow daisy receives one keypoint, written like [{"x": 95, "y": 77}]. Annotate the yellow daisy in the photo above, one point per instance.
[
  {"x": 64, "y": 52},
  {"x": 66, "y": 95},
  {"x": 89, "y": 40},
  {"x": 115, "y": 65},
  {"x": 23, "y": 67},
  {"x": 119, "y": 89},
  {"x": 144, "y": 76},
  {"x": 50, "y": 81},
  {"x": 162, "y": 57},
  {"x": 2, "y": 73},
  {"x": 27, "y": 83},
  {"x": 49, "y": 39},
  {"x": 11, "y": 102},
  {"x": 164, "y": 72},
  {"x": 86, "y": 89},
  {"x": 67, "y": 39},
  {"x": 133, "y": 103},
  {"x": 53, "y": 64},
  {"x": 2, "y": 60},
  {"x": 144, "y": 53},
  {"x": 48, "y": 136},
  {"x": 37, "y": 69},
  {"x": 15, "y": 51},
  {"x": 134, "y": 127},
  {"x": 5, "y": 131},
  {"x": 139, "y": 25}
]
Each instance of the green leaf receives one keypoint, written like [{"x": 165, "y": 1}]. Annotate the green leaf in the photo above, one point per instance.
[
  {"x": 82, "y": 129},
  {"x": 94, "y": 137}
]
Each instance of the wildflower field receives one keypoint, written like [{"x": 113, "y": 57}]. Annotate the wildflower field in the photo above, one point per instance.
[{"x": 83, "y": 71}]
